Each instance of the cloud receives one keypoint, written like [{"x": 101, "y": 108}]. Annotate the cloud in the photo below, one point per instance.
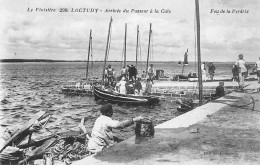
[{"x": 44, "y": 34}]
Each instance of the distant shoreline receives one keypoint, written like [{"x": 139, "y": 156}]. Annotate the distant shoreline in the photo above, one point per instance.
[{"x": 49, "y": 60}]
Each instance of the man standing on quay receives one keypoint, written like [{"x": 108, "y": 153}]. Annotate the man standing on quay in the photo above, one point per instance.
[
  {"x": 241, "y": 64},
  {"x": 258, "y": 70}
]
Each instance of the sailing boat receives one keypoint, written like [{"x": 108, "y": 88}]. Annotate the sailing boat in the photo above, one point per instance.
[
  {"x": 185, "y": 62},
  {"x": 101, "y": 93},
  {"x": 82, "y": 87},
  {"x": 182, "y": 77}
]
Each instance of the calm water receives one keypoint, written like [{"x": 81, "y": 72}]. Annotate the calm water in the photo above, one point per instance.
[{"x": 27, "y": 88}]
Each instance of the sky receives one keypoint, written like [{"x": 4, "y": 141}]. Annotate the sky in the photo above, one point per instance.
[{"x": 26, "y": 34}]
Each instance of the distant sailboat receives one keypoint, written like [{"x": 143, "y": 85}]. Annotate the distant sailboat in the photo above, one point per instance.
[{"x": 186, "y": 58}]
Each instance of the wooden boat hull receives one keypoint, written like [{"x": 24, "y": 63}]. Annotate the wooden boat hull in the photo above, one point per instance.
[
  {"x": 122, "y": 98},
  {"x": 23, "y": 132}
]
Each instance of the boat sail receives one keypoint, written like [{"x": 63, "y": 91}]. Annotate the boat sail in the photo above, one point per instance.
[{"x": 185, "y": 62}]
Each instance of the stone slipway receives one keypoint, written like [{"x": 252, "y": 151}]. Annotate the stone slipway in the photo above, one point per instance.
[{"x": 220, "y": 132}]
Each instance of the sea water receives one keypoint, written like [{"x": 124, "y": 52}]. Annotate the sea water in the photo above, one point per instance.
[{"x": 27, "y": 88}]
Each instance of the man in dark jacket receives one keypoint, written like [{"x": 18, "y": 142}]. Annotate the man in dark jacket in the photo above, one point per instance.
[
  {"x": 132, "y": 73},
  {"x": 220, "y": 90},
  {"x": 211, "y": 70}
]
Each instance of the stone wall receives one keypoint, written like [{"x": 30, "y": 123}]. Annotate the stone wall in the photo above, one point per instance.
[{"x": 176, "y": 92}]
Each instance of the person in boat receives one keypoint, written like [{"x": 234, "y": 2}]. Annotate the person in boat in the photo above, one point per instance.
[
  {"x": 190, "y": 75},
  {"x": 220, "y": 91},
  {"x": 110, "y": 74},
  {"x": 106, "y": 76},
  {"x": 121, "y": 86},
  {"x": 148, "y": 87},
  {"x": 124, "y": 72},
  {"x": 235, "y": 73},
  {"x": 242, "y": 69},
  {"x": 132, "y": 73},
  {"x": 144, "y": 74},
  {"x": 211, "y": 70},
  {"x": 258, "y": 69},
  {"x": 102, "y": 136},
  {"x": 151, "y": 72},
  {"x": 203, "y": 71},
  {"x": 129, "y": 87},
  {"x": 138, "y": 86}
]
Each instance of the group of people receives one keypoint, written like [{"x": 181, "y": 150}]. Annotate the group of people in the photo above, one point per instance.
[
  {"x": 129, "y": 83},
  {"x": 211, "y": 71}
]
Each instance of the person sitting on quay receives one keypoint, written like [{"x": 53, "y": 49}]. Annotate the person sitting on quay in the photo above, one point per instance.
[
  {"x": 220, "y": 91},
  {"x": 211, "y": 70},
  {"x": 148, "y": 87},
  {"x": 102, "y": 136},
  {"x": 144, "y": 74}
]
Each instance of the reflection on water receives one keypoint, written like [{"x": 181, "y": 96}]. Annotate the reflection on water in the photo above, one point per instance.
[{"x": 27, "y": 88}]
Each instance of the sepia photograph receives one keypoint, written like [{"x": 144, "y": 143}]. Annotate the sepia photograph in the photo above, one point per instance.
[{"x": 129, "y": 82}]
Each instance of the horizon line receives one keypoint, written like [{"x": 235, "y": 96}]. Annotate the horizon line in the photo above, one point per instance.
[{"x": 53, "y": 60}]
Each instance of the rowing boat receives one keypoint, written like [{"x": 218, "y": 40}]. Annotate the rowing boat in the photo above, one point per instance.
[{"x": 124, "y": 98}]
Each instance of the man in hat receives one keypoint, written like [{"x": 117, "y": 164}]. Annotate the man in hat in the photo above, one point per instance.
[
  {"x": 241, "y": 64},
  {"x": 102, "y": 135}
]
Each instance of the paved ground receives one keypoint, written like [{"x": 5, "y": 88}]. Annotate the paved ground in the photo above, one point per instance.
[{"x": 226, "y": 131}]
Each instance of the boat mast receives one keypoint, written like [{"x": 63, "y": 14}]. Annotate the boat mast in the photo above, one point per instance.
[
  {"x": 125, "y": 45},
  {"x": 150, "y": 32},
  {"x": 90, "y": 41},
  {"x": 106, "y": 54},
  {"x": 137, "y": 44},
  {"x": 198, "y": 52}
]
